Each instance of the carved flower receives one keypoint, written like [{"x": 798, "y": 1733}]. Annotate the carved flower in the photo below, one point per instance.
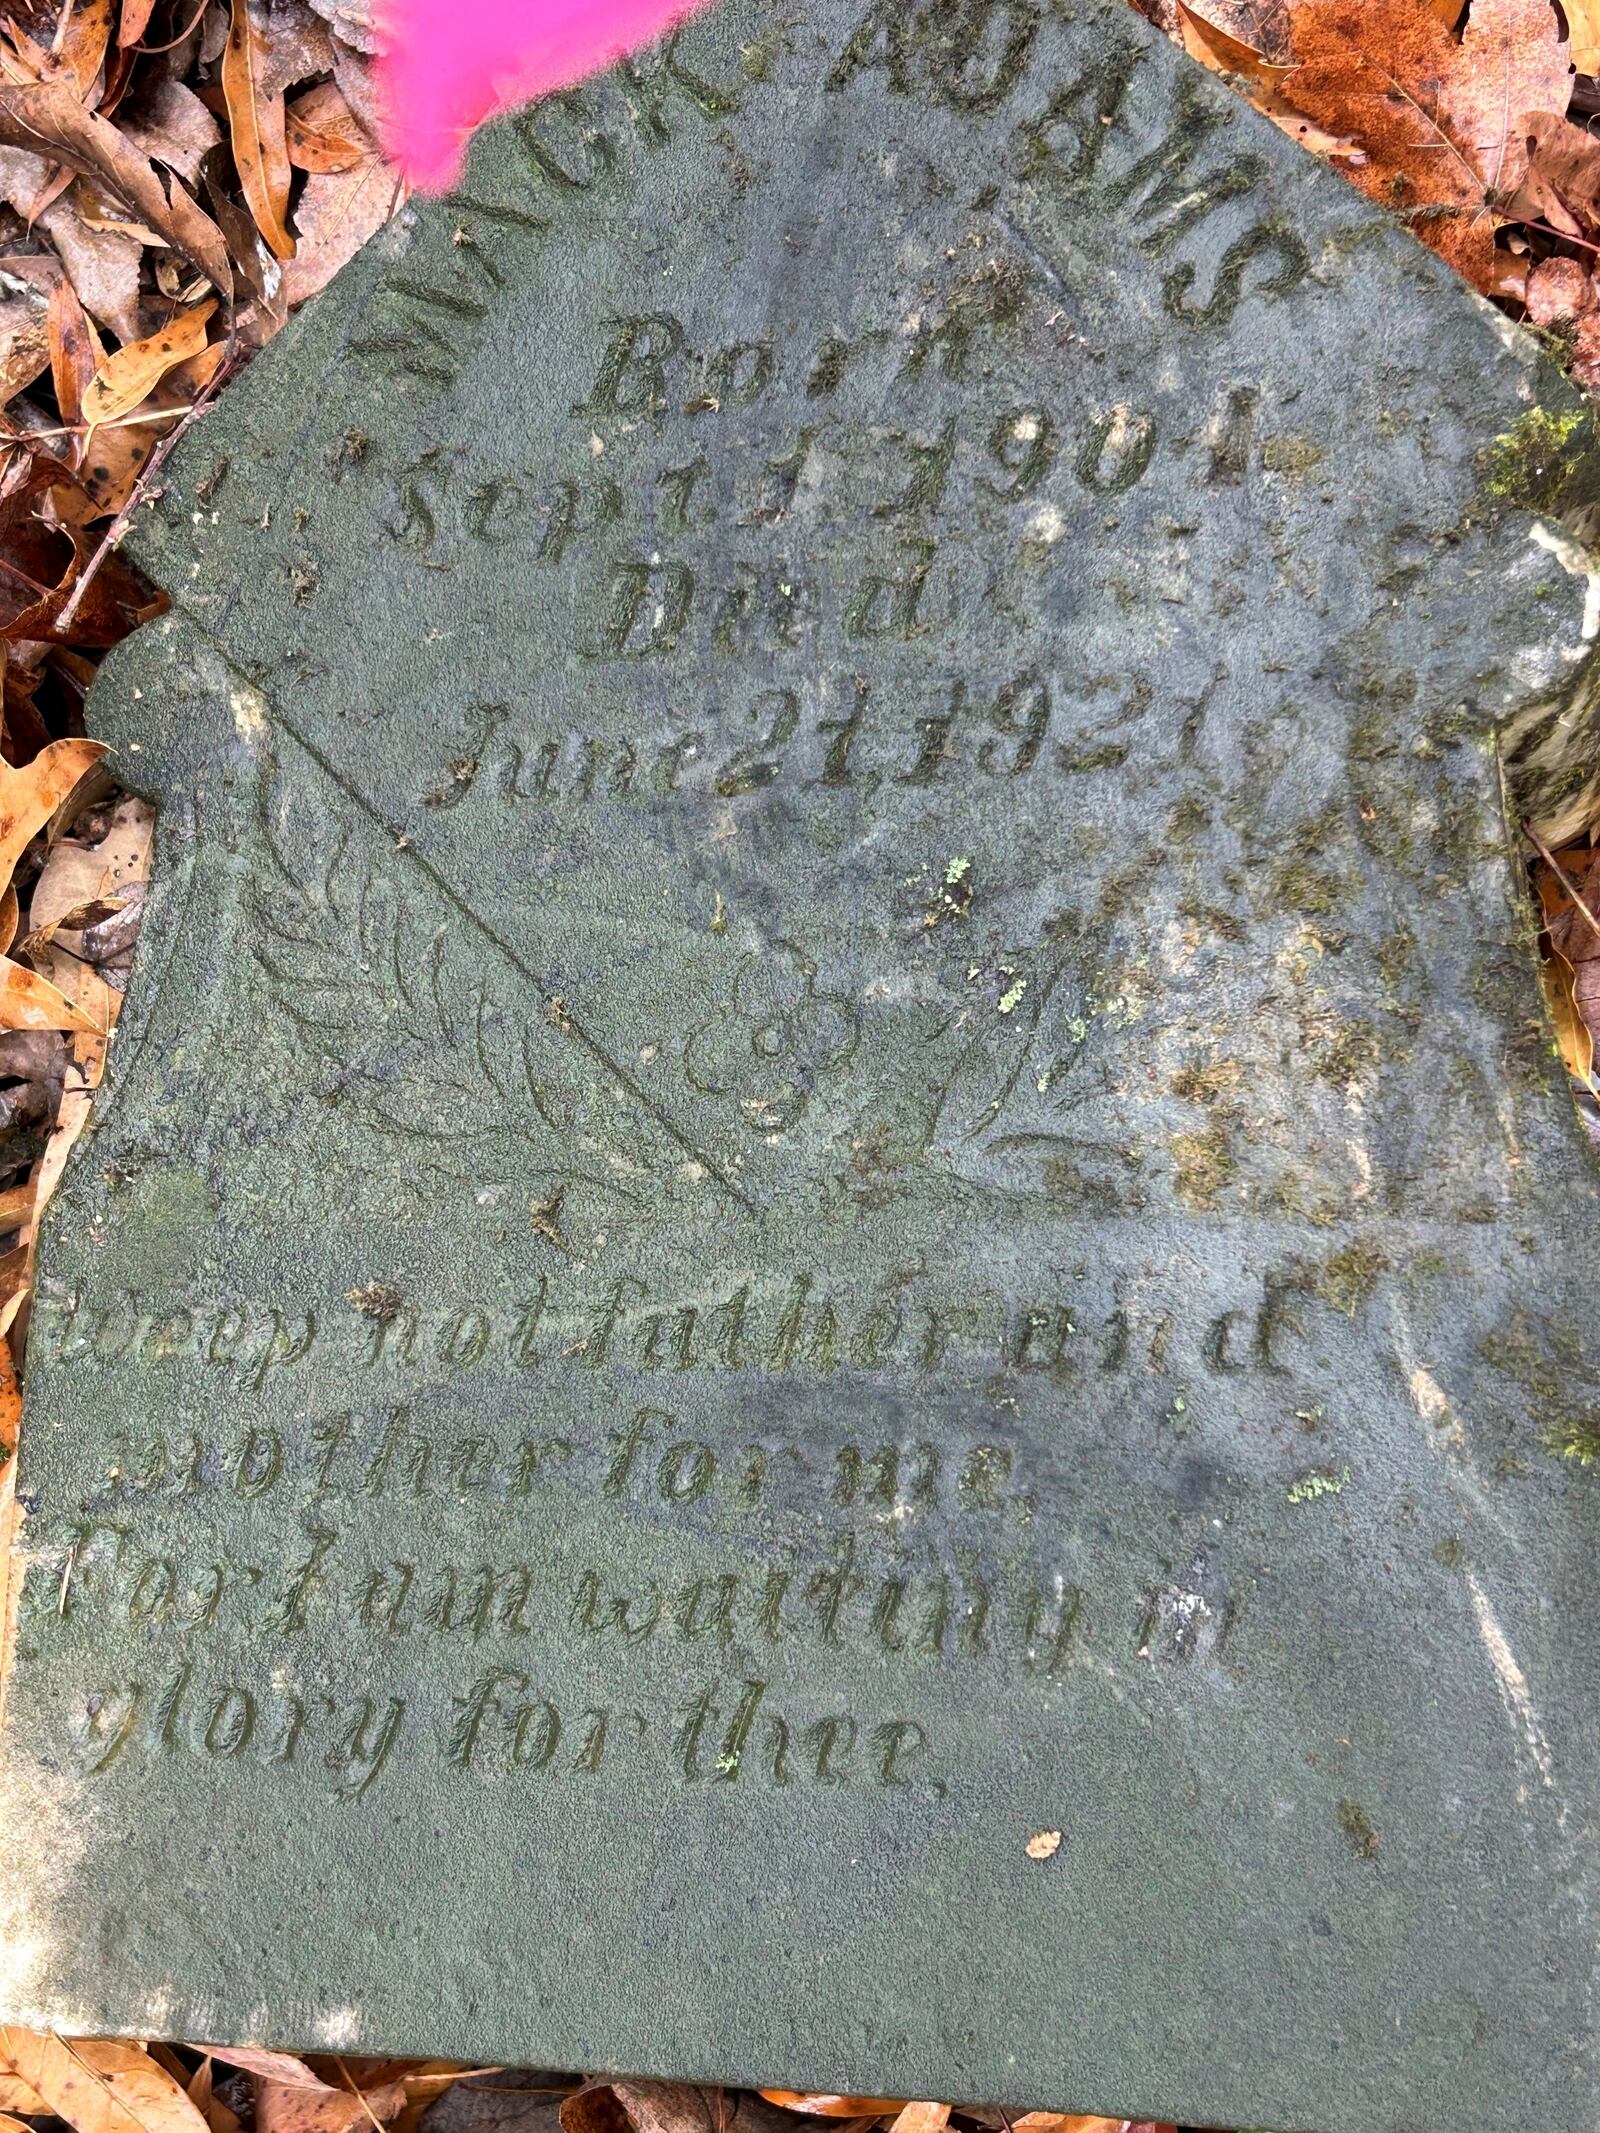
[{"x": 776, "y": 1037}]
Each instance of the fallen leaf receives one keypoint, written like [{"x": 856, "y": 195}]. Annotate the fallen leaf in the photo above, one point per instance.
[
  {"x": 12, "y": 2087},
  {"x": 1440, "y": 124},
  {"x": 82, "y": 36},
  {"x": 73, "y": 874},
  {"x": 31, "y": 795},
  {"x": 922, "y": 2118},
  {"x": 1261, "y": 79},
  {"x": 833, "y": 2106},
  {"x": 337, "y": 212},
  {"x": 72, "y": 1115},
  {"x": 15, "y": 2094},
  {"x": 1561, "y": 184},
  {"x": 47, "y": 120},
  {"x": 1583, "y": 27},
  {"x": 357, "y": 77},
  {"x": 126, "y": 378},
  {"x": 1065, "y": 2122},
  {"x": 73, "y": 349},
  {"x": 295, "y": 44},
  {"x": 256, "y": 123},
  {"x": 1045, "y": 1845},
  {"x": 353, "y": 22},
  {"x": 101, "y": 612},
  {"x": 172, "y": 126},
  {"x": 125, "y": 850},
  {"x": 281, "y": 2067},
  {"x": 102, "y": 265},
  {"x": 134, "y": 21},
  {"x": 99, "y": 2086},
  {"x": 1566, "y": 883},
  {"x": 324, "y": 133},
  {"x": 24, "y": 335},
  {"x": 28, "y": 1001},
  {"x": 1512, "y": 62},
  {"x": 285, "y": 2107},
  {"x": 10, "y": 1404}
]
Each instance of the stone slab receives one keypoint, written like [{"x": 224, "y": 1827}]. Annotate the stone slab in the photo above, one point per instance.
[{"x": 835, "y": 1145}]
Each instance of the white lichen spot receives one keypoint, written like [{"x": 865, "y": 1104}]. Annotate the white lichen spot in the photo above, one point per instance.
[
  {"x": 1576, "y": 561},
  {"x": 155, "y": 2016},
  {"x": 48, "y": 1804},
  {"x": 1428, "y": 1398},
  {"x": 1513, "y": 1686},
  {"x": 1363, "y": 1168},
  {"x": 1047, "y": 524},
  {"x": 339, "y": 2028},
  {"x": 249, "y": 710}
]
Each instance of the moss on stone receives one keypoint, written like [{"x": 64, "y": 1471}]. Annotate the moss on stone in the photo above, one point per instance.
[
  {"x": 1532, "y": 462},
  {"x": 1205, "y": 1163},
  {"x": 1353, "y": 1821},
  {"x": 1208, "y": 1083},
  {"x": 1304, "y": 886},
  {"x": 1346, "y": 1280},
  {"x": 1350, "y": 1054},
  {"x": 1574, "y": 1437},
  {"x": 1317, "y": 1482}
]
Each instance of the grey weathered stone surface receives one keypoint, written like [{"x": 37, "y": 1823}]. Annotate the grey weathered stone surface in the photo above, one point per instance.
[{"x": 835, "y": 1142}]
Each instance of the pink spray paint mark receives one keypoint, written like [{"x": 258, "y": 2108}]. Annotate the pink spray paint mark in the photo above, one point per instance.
[{"x": 451, "y": 64}]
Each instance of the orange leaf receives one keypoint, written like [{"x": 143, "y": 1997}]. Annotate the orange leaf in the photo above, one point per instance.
[
  {"x": 1064, "y": 2122},
  {"x": 10, "y": 1399},
  {"x": 28, "y": 1001},
  {"x": 47, "y": 119},
  {"x": 1440, "y": 124},
  {"x": 921, "y": 2118},
  {"x": 256, "y": 121},
  {"x": 126, "y": 379},
  {"x": 72, "y": 349},
  {"x": 135, "y": 21},
  {"x": 100, "y": 2085},
  {"x": 30, "y": 796},
  {"x": 324, "y": 133},
  {"x": 1261, "y": 80},
  {"x": 1574, "y": 1038},
  {"x": 282, "y": 2108},
  {"x": 833, "y": 2106},
  {"x": 1583, "y": 24},
  {"x": 84, "y": 36}
]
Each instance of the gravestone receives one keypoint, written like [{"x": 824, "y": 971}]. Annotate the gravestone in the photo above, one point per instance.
[{"x": 828, "y": 1323}]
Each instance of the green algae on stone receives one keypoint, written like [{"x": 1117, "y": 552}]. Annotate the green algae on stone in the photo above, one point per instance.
[
  {"x": 1347, "y": 1279},
  {"x": 1577, "y": 1437},
  {"x": 1317, "y": 1482},
  {"x": 1533, "y": 463}
]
